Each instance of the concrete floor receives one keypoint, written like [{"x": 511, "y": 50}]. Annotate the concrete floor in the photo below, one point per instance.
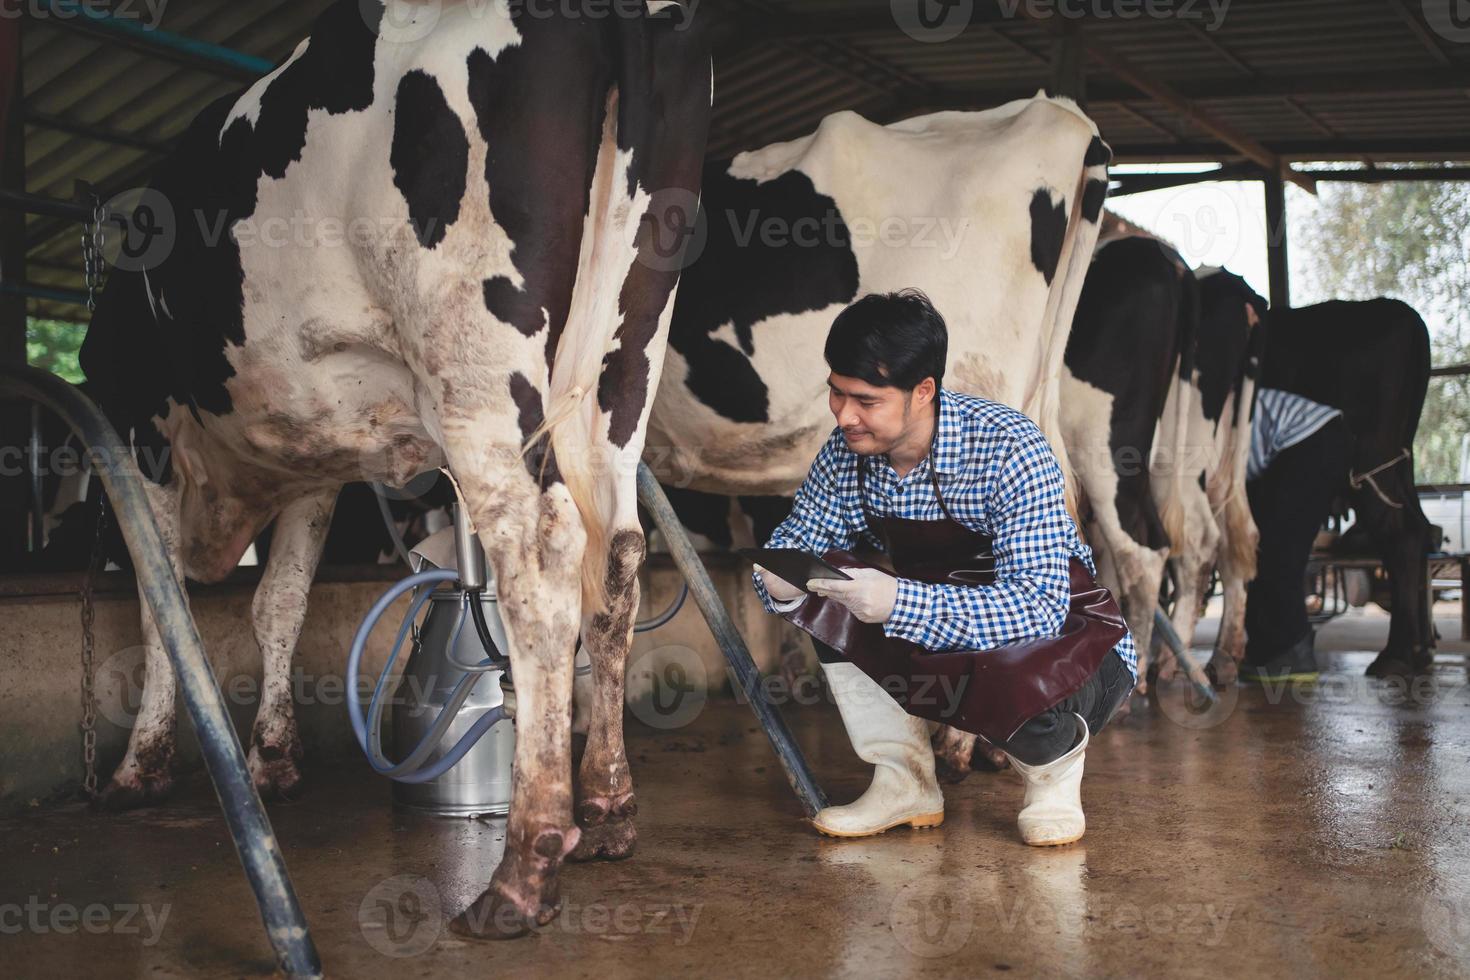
[{"x": 1293, "y": 833}]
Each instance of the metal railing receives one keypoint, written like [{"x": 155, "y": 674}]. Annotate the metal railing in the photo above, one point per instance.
[{"x": 255, "y": 842}]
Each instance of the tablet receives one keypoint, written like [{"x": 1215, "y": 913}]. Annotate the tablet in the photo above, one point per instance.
[{"x": 792, "y": 564}]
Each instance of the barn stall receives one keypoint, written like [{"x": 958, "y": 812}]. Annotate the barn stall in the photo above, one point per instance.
[{"x": 1215, "y": 807}]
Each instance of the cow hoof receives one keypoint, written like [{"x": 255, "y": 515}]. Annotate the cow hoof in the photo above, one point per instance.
[
  {"x": 946, "y": 772},
  {"x": 608, "y": 830},
  {"x": 1222, "y": 670},
  {"x": 493, "y": 916},
  {"x": 988, "y": 758},
  {"x": 276, "y": 773},
  {"x": 133, "y": 792},
  {"x": 1386, "y": 665}
]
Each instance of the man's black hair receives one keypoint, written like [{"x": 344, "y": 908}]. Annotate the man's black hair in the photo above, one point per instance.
[{"x": 889, "y": 340}]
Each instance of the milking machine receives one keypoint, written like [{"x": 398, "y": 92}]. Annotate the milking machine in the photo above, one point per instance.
[{"x": 453, "y": 709}]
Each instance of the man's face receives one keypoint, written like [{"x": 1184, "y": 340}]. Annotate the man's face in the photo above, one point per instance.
[{"x": 873, "y": 419}]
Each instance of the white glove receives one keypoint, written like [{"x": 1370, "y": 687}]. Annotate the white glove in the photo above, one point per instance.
[
  {"x": 780, "y": 589},
  {"x": 870, "y": 595}
]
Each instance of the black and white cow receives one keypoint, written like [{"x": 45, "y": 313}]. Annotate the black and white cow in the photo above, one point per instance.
[
  {"x": 1133, "y": 340},
  {"x": 1166, "y": 478},
  {"x": 424, "y": 240},
  {"x": 1371, "y": 360},
  {"x": 1218, "y": 532},
  {"x": 994, "y": 214}
]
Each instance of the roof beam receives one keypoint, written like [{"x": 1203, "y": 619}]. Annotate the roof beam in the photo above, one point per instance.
[
  {"x": 1191, "y": 110},
  {"x": 1278, "y": 87},
  {"x": 91, "y": 131},
  {"x": 1434, "y": 149}
]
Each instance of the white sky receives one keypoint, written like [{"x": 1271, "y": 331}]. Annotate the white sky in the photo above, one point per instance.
[{"x": 1211, "y": 223}]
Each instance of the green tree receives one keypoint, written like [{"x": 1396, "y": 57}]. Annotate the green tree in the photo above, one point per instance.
[
  {"x": 54, "y": 345},
  {"x": 1409, "y": 241}
]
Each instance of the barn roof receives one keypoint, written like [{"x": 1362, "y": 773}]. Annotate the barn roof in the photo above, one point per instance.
[{"x": 1368, "y": 80}]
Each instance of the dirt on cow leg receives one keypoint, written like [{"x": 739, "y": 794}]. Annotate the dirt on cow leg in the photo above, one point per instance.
[
  {"x": 145, "y": 775},
  {"x": 605, "y": 804},
  {"x": 277, "y": 614},
  {"x": 952, "y": 752},
  {"x": 535, "y": 544}
]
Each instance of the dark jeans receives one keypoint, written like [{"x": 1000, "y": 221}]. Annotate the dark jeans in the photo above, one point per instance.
[
  {"x": 1289, "y": 502},
  {"x": 1047, "y": 737}
]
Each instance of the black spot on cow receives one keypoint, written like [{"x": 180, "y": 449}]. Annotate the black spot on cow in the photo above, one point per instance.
[
  {"x": 1227, "y": 348},
  {"x": 1048, "y": 230},
  {"x": 429, "y": 156},
  {"x": 1098, "y": 153},
  {"x": 1134, "y": 328},
  {"x": 512, "y": 305},
  {"x": 334, "y": 73},
  {"x": 541, "y": 459},
  {"x": 527, "y": 123},
  {"x": 744, "y": 276},
  {"x": 138, "y": 358},
  {"x": 1093, "y": 195}
]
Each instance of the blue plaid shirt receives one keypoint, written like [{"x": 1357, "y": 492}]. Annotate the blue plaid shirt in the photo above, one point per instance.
[{"x": 999, "y": 477}]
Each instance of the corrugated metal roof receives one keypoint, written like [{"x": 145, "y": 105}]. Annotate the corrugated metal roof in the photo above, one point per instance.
[{"x": 1318, "y": 79}]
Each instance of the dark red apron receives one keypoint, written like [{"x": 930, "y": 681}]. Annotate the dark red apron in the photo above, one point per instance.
[{"x": 987, "y": 692}]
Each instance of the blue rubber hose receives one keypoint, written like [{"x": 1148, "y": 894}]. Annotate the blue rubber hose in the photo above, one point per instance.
[{"x": 368, "y": 730}]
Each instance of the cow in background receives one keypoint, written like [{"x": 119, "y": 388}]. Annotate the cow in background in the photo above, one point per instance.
[
  {"x": 1371, "y": 360},
  {"x": 993, "y": 214},
  {"x": 480, "y": 285},
  {"x": 1128, "y": 361},
  {"x": 1217, "y": 530}
]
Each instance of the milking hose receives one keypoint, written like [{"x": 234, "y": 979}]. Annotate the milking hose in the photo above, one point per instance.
[{"x": 369, "y": 731}]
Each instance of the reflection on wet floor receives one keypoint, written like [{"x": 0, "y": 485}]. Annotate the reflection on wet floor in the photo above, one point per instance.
[{"x": 1304, "y": 831}]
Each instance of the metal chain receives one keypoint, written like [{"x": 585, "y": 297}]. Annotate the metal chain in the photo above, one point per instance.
[
  {"x": 89, "y": 696},
  {"x": 94, "y": 239}
]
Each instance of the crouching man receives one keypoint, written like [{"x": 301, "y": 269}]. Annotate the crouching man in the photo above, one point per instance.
[{"x": 989, "y": 619}]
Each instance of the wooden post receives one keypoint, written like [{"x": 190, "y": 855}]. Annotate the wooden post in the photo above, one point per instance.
[{"x": 1276, "y": 260}]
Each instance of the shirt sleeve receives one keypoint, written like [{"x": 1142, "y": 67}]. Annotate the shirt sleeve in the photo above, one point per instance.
[
  {"x": 1032, "y": 534},
  {"x": 817, "y": 522}
]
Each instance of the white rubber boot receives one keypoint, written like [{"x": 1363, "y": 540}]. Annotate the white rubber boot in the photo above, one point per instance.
[
  {"x": 904, "y": 790},
  {"x": 1052, "y": 812}
]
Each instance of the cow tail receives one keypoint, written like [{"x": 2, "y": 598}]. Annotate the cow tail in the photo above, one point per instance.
[
  {"x": 1083, "y": 226},
  {"x": 1187, "y": 330},
  {"x": 1233, "y": 512}
]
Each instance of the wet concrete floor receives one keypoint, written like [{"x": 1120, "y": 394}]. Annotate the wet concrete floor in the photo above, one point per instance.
[{"x": 1293, "y": 832}]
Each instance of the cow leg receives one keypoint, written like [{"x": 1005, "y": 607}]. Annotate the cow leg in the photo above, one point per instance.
[
  {"x": 277, "y": 613},
  {"x": 1400, "y": 539},
  {"x": 953, "y": 750},
  {"x": 1239, "y": 540},
  {"x": 1192, "y": 563},
  {"x": 605, "y": 804},
  {"x": 535, "y": 541},
  {"x": 145, "y": 775}
]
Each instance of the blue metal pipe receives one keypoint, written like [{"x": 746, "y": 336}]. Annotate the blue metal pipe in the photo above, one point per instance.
[
  {"x": 136, "y": 32},
  {"x": 255, "y": 841},
  {"x": 652, "y": 497},
  {"x": 45, "y": 292}
]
